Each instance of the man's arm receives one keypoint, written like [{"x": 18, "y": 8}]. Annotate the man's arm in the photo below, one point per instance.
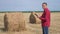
[
  {"x": 46, "y": 15},
  {"x": 41, "y": 18}
]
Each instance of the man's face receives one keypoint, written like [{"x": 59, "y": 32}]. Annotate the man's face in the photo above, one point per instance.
[{"x": 44, "y": 6}]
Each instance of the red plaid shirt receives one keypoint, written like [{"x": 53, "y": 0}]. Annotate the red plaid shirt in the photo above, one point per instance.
[{"x": 45, "y": 18}]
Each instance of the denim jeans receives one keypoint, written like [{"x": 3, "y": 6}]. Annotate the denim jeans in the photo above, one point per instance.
[{"x": 45, "y": 30}]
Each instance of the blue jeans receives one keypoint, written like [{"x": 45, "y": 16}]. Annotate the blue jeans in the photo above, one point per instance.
[{"x": 45, "y": 30}]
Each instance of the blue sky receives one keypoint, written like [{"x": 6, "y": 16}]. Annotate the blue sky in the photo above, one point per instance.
[{"x": 28, "y": 5}]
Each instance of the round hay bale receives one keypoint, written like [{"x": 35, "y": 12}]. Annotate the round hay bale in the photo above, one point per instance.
[
  {"x": 14, "y": 21},
  {"x": 33, "y": 18}
]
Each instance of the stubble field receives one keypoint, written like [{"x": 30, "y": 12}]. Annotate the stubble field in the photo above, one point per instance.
[{"x": 35, "y": 28}]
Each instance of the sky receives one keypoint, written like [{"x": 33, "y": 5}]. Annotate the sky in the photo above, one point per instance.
[{"x": 28, "y": 5}]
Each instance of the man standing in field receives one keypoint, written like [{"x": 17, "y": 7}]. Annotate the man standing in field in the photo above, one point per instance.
[{"x": 45, "y": 18}]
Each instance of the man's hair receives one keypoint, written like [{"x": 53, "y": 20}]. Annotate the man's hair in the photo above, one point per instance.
[{"x": 44, "y": 3}]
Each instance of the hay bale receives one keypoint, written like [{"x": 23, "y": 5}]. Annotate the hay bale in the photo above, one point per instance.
[
  {"x": 33, "y": 18},
  {"x": 14, "y": 21}
]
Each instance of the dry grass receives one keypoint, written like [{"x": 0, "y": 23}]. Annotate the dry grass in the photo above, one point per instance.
[{"x": 36, "y": 28}]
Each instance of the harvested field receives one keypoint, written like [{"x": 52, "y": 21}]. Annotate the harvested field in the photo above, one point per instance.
[{"x": 35, "y": 28}]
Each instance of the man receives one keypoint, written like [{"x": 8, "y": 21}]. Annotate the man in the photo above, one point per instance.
[{"x": 45, "y": 18}]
